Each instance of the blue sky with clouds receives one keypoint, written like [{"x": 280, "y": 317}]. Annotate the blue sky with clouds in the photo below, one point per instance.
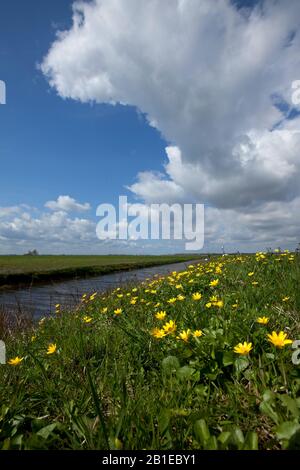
[
  {"x": 51, "y": 146},
  {"x": 198, "y": 120}
]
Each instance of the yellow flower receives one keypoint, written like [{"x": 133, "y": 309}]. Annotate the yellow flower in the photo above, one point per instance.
[
  {"x": 180, "y": 297},
  {"x": 279, "y": 339},
  {"x": 104, "y": 310},
  {"x": 263, "y": 320},
  {"x": 51, "y": 348},
  {"x": 197, "y": 333},
  {"x": 134, "y": 289},
  {"x": 57, "y": 306},
  {"x": 172, "y": 301},
  {"x": 208, "y": 305},
  {"x": 219, "y": 303},
  {"x": 157, "y": 333},
  {"x": 235, "y": 305},
  {"x": 33, "y": 338},
  {"x": 133, "y": 302},
  {"x": 160, "y": 315},
  {"x": 118, "y": 311},
  {"x": 15, "y": 361},
  {"x": 214, "y": 283},
  {"x": 184, "y": 335},
  {"x": 197, "y": 296},
  {"x": 170, "y": 327},
  {"x": 243, "y": 348},
  {"x": 251, "y": 274},
  {"x": 254, "y": 283},
  {"x": 285, "y": 299},
  {"x": 120, "y": 296},
  {"x": 87, "y": 319}
]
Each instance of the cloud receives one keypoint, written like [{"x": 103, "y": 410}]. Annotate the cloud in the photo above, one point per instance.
[
  {"x": 215, "y": 80},
  {"x": 67, "y": 204}
]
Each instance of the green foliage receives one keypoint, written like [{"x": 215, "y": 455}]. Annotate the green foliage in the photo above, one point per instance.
[{"x": 130, "y": 380}]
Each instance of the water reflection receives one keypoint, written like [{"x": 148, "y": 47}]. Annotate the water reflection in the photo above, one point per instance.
[{"x": 41, "y": 300}]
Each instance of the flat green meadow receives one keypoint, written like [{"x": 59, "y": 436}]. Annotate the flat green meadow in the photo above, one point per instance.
[
  {"x": 16, "y": 269},
  {"x": 200, "y": 359}
]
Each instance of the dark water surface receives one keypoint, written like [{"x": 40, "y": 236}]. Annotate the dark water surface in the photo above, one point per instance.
[{"x": 41, "y": 300}]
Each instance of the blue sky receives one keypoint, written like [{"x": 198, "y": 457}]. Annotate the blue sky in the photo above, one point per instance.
[
  {"x": 51, "y": 146},
  {"x": 208, "y": 118}
]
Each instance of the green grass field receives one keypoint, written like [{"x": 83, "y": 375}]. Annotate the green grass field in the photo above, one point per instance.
[
  {"x": 22, "y": 269},
  {"x": 200, "y": 359}
]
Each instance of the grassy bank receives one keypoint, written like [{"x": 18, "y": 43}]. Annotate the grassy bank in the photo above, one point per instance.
[
  {"x": 159, "y": 365},
  {"x": 33, "y": 269}
]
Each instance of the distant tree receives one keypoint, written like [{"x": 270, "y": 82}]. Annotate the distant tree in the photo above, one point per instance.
[{"x": 32, "y": 253}]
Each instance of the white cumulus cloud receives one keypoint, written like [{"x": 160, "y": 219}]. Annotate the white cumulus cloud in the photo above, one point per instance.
[
  {"x": 67, "y": 204},
  {"x": 210, "y": 77}
]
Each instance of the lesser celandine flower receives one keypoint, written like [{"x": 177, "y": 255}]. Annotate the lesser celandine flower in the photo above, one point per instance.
[
  {"x": 285, "y": 299},
  {"x": 118, "y": 311},
  {"x": 51, "y": 348},
  {"x": 170, "y": 327},
  {"x": 172, "y": 300},
  {"x": 87, "y": 319},
  {"x": 254, "y": 283},
  {"x": 158, "y": 333},
  {"x": 197, "y": 333},
  {"x": 243, "y": 348},
  {"x": 180, "y": 297},
  {"x": 214, "y": 283},
  {"x": 133, "y": 301},
  {"x": 263, "y": 320},
  {"x": 279, "y": 339},
  {"x": 104, "y": 310},
  {"x": 251, "y": 274},
  {"x": 15, "y": 361},
  {"x": 184, "y": 335},
  {"x": 197, "y": 296},
  {"x": 160, "y": 315}
]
